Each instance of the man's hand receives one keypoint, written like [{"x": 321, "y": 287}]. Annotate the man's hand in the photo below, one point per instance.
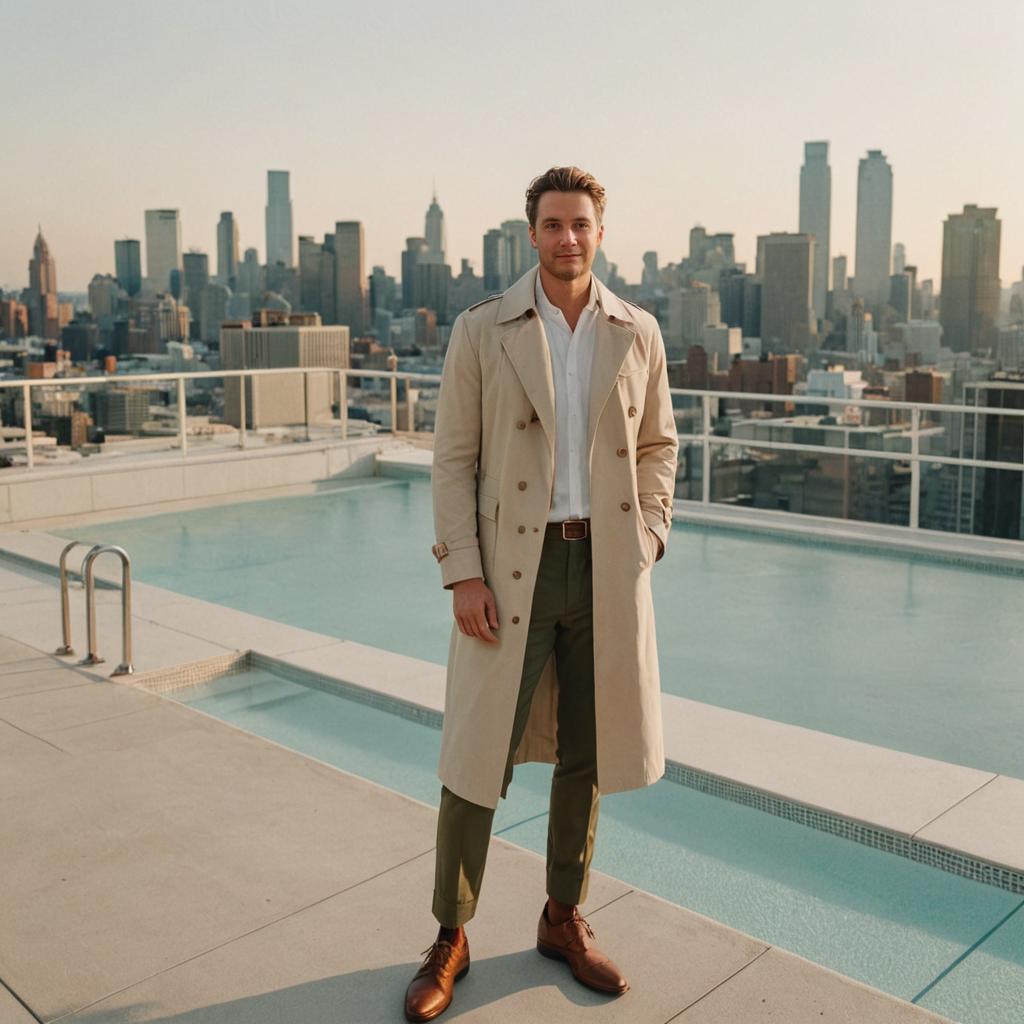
[{"x": 475, "y": 610}]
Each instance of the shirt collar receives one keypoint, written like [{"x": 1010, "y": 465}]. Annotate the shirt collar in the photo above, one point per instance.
[{"x": 548, "y": 309}]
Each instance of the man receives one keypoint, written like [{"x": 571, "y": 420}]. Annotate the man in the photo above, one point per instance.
[{"x": 554, "y": 468}]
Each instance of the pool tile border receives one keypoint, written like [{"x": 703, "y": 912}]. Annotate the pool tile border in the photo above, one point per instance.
[
  {"x": 164, "y": 682},
  {"x": 874, "y": 836}
]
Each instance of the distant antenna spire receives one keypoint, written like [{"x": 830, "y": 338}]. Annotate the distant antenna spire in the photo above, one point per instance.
[{"x": 433, "y": 185}]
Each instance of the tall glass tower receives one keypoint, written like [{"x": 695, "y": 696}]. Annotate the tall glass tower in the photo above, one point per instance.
[
  {"x": 874, "y": 228},
  {"x": 279, "y": 219},
  {"x": 434, "y": 232},
  {"x": 816, "y": 215}
]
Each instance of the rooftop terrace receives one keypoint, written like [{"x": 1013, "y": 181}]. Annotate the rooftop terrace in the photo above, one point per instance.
[{"x": 167, "y": 866}]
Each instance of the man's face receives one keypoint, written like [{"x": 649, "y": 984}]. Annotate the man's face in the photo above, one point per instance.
[{"x": 567, "y": 234}]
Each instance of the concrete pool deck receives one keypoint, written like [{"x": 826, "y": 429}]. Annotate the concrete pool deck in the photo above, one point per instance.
[{"x": 164, "y": 866}]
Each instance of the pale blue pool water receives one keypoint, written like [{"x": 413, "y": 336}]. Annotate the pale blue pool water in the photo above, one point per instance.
[
  {"x": 899, "y": 651},
  {"x": 949, "y": 944}
]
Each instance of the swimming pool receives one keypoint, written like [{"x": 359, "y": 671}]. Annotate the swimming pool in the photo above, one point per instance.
[
  {"x": 947, "y": 943},
  {"x": 894, "y": 650}
]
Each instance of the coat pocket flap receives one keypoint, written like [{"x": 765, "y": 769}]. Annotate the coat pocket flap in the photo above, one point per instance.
[
  {"x": 628, "y": 371},
  {"x": 487, "y": 506}
]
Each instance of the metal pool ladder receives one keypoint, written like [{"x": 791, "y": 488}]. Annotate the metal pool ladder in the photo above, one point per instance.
[{"x": 88, "y": 574}]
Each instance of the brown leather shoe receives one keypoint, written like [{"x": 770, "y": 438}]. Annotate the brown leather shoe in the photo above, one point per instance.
[
  {"x": 573, "y": 942},
  {"x": 430, "y": 991}
]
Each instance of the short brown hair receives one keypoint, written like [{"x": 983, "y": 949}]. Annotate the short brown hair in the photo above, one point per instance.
[{"x": 564, "y": 179}]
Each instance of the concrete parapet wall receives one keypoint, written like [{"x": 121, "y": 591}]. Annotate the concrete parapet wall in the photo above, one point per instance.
[{"x": 32, "y": 498}]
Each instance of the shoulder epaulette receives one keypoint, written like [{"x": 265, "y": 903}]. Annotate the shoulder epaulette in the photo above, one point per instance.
[
  {"x": 490, "y": 298},
  {"x": 635, "y": 305}
]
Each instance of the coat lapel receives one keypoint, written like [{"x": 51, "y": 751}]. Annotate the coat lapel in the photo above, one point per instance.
[
  {"x": 527, "y": 350},
  {"x": 612, "y": 344}
]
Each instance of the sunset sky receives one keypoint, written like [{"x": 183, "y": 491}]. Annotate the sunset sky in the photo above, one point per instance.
[{"x": 687, "y": 112}]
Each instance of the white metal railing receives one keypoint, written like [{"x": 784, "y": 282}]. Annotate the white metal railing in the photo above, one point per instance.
[
  {"x": 181, "y": 378},
  {"x": 706, "y": 438},
  {"x": 912, "y": 431}
]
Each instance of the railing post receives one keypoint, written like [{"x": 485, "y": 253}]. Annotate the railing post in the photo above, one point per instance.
[
  {"x": 343, "y": 403},
  {"x": 705, "y": 483},
  {"x": 394, "y": 406},
  {"x": 305, "y": 399},
  {"x": 182, "y": 431},
  {"x": 242, "y": 413},
  {"x": 408, "y": 407},
  {"x": 27, "y": 418},
  {"x": 915, "y": 468}
]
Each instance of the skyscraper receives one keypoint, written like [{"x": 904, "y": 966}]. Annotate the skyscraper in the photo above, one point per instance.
[
  {"x": 969, "y": 303},
  {"x": 519, "y": 251},
  {"x": 128, "y": 264},
  {"x": 196, "y": 277},
  {"x": 41, "y": 297},
  {"x": 649, "y": 276},
  {"x": 250, "y": 278},
  {"x": 434, "y": 232},
  {"x": 227, "y": 249},
  {"x": 350, "y": 275},
  {"x": 309, "y": 274},
  {"x": 496, "y": 269},
  {"x": 415, "y": 251},
  {"x": 874, "y": 228},
  {"x": 279, "y": 219},
  {"x": 787, "y": 271},
  {"x": 816, "y": 215},
  {"x": 163, "y": 246},
  {"x": 899, "y": 258}
]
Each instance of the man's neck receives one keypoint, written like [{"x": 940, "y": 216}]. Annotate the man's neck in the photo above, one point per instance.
[{"x": 569, "y": 296}]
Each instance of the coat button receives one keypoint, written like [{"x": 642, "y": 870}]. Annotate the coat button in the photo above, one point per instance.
[
  {"x": 624, "y": 506},
  {"x": 516, "y": 574},
  {"x": 522, "y": 529},
  {"x": 521, "y": 425},
  {"x": 522, "y": 485},
  {"x": 515, "y": 620},
  {"x": 632, "y": 410},
  {"x": 621, "y": 453}
]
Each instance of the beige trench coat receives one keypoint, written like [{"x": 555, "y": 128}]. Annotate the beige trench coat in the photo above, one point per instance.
[{"x": 494, "y": 446}]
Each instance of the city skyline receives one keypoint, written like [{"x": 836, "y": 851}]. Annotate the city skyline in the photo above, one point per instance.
[{"x": 354, "y": 152}]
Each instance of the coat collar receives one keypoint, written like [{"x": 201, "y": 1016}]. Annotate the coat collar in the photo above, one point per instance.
[
  {"x": 526, "y": 346},
  {"x": 523, "y": 296}
]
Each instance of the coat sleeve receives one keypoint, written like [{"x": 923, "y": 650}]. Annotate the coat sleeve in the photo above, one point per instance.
[
  {"x": 456, "y": 454},
  {"x": 657, "y": 447}
]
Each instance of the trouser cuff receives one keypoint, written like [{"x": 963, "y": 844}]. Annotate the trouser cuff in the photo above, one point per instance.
[
  {"x": 451, "y": 913},
  {"x": 567, "y": 887}
]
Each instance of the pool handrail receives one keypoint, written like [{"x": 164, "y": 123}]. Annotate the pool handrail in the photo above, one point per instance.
[
  {"x": 66, "y": 650},
  {"x": 88, "y": 572}
]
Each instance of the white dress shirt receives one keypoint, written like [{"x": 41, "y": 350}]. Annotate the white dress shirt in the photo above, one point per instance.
[{"x": 572, "y": 356}]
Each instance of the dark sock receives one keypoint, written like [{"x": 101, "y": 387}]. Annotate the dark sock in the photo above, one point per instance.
[{"x": 448, "y": 934}]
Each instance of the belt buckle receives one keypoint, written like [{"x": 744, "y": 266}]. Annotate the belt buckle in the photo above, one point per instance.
[{"x": 571, "y": 529}]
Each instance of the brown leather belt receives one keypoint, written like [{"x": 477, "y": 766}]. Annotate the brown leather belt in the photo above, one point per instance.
[{"x": 570, "y": 529}]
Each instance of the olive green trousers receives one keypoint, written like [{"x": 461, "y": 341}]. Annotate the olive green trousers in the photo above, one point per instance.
[{"x": 561, "y": 622}]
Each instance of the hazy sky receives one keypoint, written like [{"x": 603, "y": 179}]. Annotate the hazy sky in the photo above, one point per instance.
[{"x": 687, "y": 112}]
